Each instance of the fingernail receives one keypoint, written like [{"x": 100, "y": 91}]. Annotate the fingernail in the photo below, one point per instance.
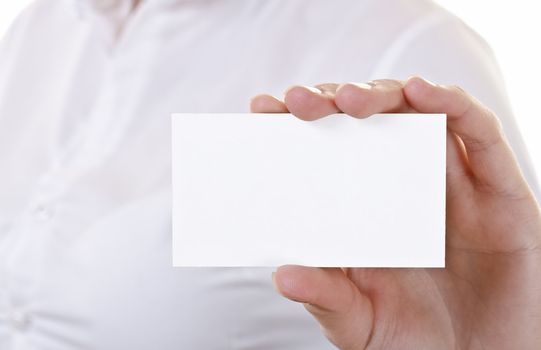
[
  {"x": 310, "y": 88},
  {"x": 363, "y": 86},
  {"x": 313, "y": 89},
  {"x": 273, "y": 276},
  {"x": 422, "y": 79}
]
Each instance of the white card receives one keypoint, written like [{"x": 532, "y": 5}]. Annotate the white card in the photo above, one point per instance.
[{"x": 270, "y": 189}]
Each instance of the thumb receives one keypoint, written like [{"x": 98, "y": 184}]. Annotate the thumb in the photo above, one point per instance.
[{"x": 344, "y": 313}]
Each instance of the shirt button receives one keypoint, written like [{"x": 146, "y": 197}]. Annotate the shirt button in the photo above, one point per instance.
[
  {"x": 20, "y": 320},
  {"x": 43, "y": 213}
]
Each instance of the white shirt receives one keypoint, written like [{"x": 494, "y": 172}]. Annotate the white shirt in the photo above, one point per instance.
[{"x": 86, "y": 93}]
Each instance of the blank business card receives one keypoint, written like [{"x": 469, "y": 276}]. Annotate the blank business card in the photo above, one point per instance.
[{"x": 270, "y": 189}]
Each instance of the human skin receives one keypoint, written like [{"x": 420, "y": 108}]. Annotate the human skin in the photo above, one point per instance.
[{"x": 489, "y": 294}]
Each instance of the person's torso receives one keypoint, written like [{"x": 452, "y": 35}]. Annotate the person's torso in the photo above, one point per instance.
[{"x": 85, "y": 237}]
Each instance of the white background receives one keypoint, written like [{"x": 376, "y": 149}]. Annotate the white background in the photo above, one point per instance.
[{"x": 512, "y": 28}]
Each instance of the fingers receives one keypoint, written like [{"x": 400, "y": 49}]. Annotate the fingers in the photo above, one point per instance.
[
  {"x": 267, "y": 104},
  {"x": 363, "y": 100},
  {"x": 310, "y": 103},
  {"x": 328, "y": 88},
  {"x": 489, "y": 156},
  {"x": 307, "y": 103},
  {"x": 344, "y": 313},
  {"x": 358, "y": 100}
]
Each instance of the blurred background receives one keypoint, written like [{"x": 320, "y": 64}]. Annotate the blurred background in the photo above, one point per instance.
[{"x": 512, "y": 28}]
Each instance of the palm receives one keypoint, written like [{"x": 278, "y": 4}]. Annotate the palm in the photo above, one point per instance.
[
  {"x": 474, "y": 301},
  {"x": 488, "y": 296}
]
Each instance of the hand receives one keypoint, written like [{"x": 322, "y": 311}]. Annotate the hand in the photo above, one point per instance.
[{"x": 489, "y": 294}]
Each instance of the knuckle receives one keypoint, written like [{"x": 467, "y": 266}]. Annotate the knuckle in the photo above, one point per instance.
[
  {"x": 459, "y": 89},
  {"x": 493, "y": 123},
  {"x": 497, "y": 123},
  {"x": 462, "y": 94}
]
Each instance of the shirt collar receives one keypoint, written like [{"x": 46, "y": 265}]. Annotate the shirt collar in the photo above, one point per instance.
[
  {"x": 109, "y": 16},
  {"x": 106, "y": 8}
]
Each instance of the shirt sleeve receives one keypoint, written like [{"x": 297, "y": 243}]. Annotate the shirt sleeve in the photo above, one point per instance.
[
  {"x": 10, "y": 42},
  {"x": 441, "y": 48}
]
